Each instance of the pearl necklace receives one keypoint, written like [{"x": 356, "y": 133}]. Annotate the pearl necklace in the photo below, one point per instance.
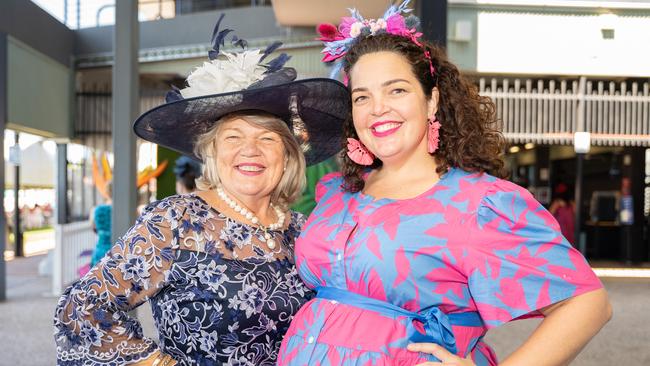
[{"x": 252, "y": 218}]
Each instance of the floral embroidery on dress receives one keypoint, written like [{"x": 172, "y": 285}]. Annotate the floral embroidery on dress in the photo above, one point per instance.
[{"x": 217, "y": 296}]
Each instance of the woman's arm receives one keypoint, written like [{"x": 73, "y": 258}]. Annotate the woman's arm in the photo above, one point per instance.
[
  {"x": 91, "y": 320},
  {"x": 567, "y": 327}
]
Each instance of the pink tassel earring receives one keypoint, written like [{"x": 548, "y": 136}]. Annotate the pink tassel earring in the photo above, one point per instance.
[
  {"x": 358, "y": 153},
  {"x": 433, "y": 135}
]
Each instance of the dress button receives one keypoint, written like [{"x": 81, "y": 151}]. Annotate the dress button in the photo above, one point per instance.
[
  {"x": 339, "y": 257},
  {"x": 310, "y": 340},
  {"x": 334, "y": 302}
]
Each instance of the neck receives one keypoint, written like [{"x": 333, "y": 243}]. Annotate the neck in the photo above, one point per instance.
[
  {"x": 259, "y": 206},
  {"x": 418, "y": 165}
]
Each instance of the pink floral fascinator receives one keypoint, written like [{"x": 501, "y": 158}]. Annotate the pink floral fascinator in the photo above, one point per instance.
[{"x": 339, "y": 40}]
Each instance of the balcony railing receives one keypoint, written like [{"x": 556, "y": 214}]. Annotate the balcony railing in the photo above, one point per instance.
[
  {"x": 78, "y": 14},
  {"x": 616, "y": 114}
]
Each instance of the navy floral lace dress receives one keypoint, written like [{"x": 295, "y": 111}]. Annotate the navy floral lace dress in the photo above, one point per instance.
[{"x": 218, "y": 295}]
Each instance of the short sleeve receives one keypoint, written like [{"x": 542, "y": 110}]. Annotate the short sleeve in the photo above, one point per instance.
[
  {"x": 330, "y": 183},
  {"x": 517, "y": 259},
  {"x": 92, "y": 324}
]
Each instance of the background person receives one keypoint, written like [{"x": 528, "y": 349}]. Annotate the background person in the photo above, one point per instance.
[{"x": 187, "y": 171}]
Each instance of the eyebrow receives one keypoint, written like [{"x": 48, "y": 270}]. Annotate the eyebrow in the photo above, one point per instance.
[
  {"x": 231, "y": 129},
  {"x": 237, "y": 129},
  {"x": 384, "y": 84}
]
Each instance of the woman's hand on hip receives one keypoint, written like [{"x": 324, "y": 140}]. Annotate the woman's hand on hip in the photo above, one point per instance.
[{"x": 445, "y": 357}]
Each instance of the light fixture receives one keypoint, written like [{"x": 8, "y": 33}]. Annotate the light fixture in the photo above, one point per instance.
[
  {"x": 529, "y": 145},
  {"x": 581, "y": 142},
  {"x": 513, "y": 149}
]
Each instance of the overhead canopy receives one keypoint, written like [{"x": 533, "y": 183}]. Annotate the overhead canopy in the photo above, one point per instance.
[
  {"x": 37, "y": 168},
  {"x": 308, "y": 13}
]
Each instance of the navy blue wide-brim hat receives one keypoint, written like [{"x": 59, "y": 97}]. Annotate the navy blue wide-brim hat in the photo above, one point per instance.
[
  {"x": 314, "y": 109},
  {"x": 320, "y": 106}
]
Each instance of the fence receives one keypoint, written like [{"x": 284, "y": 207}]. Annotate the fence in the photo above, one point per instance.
[
  {"x": 616, "y": 114},
  {"x": 71, "y": 241}
]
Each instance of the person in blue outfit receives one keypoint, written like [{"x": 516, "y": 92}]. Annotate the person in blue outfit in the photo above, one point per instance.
[{"x": 101, "y": 222}]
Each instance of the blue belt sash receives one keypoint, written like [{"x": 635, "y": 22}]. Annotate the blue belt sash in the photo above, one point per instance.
[{"x": 436, "y": 323}]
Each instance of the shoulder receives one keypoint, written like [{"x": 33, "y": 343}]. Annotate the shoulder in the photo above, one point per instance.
[
  {"x": 331, "y": 179},
  {"x": 328, "y": 184},
  {"x": 102, "y": 208},
  {"x": 297, "y": 219},
  {"x": 502, "y": 192},
  {"x": 296, "y": 223},
  {"x": 511, "y": 203},
  {"x": 482, "y": 186},
  {"x": 174, "y": 208},
  {"x": 463, "y": 189}
]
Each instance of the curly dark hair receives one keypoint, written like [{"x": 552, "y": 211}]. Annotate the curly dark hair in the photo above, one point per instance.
[{"x": 469, "y": 138}]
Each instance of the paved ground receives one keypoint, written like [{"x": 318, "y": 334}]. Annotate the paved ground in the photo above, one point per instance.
[{"x": 26, "y": 330}]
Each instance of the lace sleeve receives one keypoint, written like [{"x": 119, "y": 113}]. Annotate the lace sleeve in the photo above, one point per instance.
[{"x": 91, "y": 323}]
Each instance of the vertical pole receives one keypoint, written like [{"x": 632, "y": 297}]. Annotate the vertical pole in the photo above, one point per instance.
[
  {"x": 65, "y": 12},
  {"x": 542, "y": 174},
  {"x": 125, "y": 109},
  {"x": 581, "y": 126},
  {"x": 433, "y": 18},
  {"x": 61, "y": 183},
  {"x": 18, "y": 232},
  {"x": 578, "y": 204},
  {"x": 3, "y": 123}
]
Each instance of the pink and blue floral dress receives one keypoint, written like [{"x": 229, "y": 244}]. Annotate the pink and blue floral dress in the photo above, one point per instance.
[{"x": 467, "y": 255}]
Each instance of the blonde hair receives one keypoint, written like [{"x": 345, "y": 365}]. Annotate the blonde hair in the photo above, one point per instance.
[{"x": 293, "y": 181}]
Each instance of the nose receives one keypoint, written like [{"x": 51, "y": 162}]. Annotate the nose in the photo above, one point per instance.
[
  {"x": 250, "y": 147},
  {"x": 379, "y": 107}
]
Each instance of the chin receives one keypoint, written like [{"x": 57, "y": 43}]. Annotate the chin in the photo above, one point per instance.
[{"x": 387, "y": 153}]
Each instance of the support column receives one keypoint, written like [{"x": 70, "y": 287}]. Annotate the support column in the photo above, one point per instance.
[
  {"x": 433, "y": 21},
  {"x": 3, "y": 123},
  {"x": 633, "y": 182},
  {"x": 125, "y": 110},
  {"x": 18, "y": 232},
  {"x": 543, "y": 189},
  {"x": 62, "y": 184},
  {"x": 578, "y": 204}
]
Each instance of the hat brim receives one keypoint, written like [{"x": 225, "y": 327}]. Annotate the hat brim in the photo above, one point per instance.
[{"x": 323, "y": 105}]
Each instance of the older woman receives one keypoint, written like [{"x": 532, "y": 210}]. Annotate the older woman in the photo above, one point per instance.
[
  {"x": 215, "y": 265},
  {"x": 417, "y": 247}
]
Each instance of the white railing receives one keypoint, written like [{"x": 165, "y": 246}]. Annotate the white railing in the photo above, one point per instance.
[
  {"x": 616, "y": 114},
  {"x": 71, "y": 241}
]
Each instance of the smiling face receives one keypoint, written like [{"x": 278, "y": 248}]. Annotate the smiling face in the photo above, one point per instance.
[
  {"x": 389, "y": 108},
  {"x": 250, "y": 160}
]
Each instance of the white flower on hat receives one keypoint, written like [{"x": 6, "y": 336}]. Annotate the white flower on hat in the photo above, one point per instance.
[{"x": 237, "y": 71}]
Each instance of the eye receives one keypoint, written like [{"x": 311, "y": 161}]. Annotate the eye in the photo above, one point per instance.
[
  {"x": 231, "y": 138},
  {"x": 398, "y": 91},
  {"x": 267, "y": 138},
  {"x": 360, "y": 98}
]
